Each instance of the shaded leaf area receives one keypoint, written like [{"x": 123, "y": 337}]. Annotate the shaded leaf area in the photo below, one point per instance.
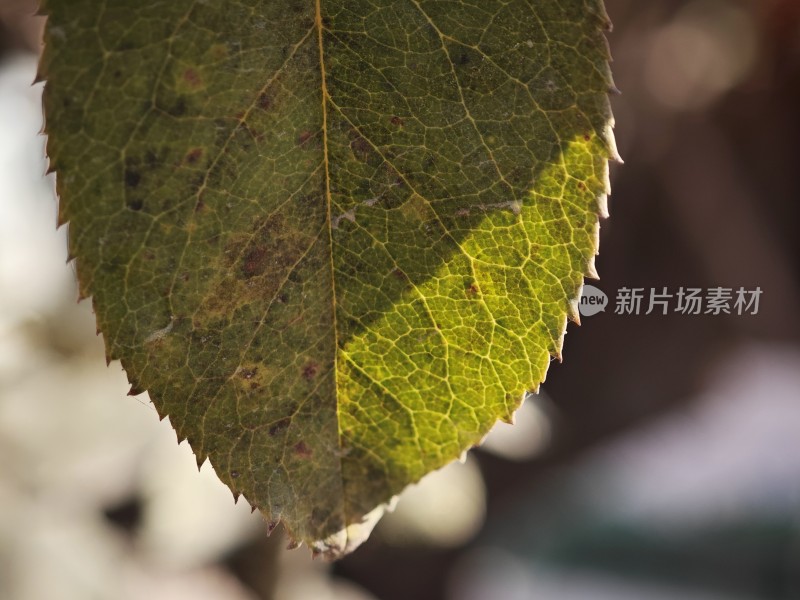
[{"x": 334, "y": 241}]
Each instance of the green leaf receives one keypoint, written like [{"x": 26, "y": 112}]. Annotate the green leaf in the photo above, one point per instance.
[{"x": 336, "y": 241}]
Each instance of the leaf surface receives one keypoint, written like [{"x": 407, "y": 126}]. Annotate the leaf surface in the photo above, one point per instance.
[{"x": 335, "y": 240}]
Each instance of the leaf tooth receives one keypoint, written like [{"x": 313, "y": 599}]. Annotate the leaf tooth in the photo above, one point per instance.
[
  {"x": 572, "y": 309},
  {"x": 236, "y": 496},
  {"x": 507, "y": 418},
  {"x": 591, "y": 269},
  {"x": 292, "y": 544},
  {"x": 135, "y": 390},
  {"x": 271, "y": 525}
]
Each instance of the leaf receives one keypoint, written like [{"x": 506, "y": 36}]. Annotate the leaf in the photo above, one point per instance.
[{"x": 336, "y": 241}]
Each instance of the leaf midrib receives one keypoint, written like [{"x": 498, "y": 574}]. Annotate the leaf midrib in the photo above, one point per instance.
[{"x": 324, "y": 101}]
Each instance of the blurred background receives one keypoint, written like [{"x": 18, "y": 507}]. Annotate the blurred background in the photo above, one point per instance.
[{"x": 660, "y": 461}]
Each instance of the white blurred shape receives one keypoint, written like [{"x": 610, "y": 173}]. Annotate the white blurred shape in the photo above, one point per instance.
[
  {"x": 191, "y": 518},
  {"x": 32, "y": 254},
  {"x": 499, "y": 575},
  {"x": 527, "y": 437},
  {"x": 71, "y": 443},
  {"x": 733, "y": 451},
  {"x": 207, "y": 583},
  {"x": 707, "y": 49},
  {"x": 446, "y": 508},
  {"x": 303, "y": 579}
]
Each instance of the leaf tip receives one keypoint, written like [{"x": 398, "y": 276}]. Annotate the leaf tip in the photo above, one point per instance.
[{"x": 293, "y": 544}]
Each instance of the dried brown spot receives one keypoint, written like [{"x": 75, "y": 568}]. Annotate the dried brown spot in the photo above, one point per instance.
[
  {"x": 581, "y": 186},
  {"x": 248, "y": 373},
  {"x": 472, "y": 289},
  {"x": 255, "y": 262},
  {"x": 303, "y": 138},
  {"x": 396, "y": 121},
  {"x": 194, "y": 155},
  {"x": 265, "y": 101},
  {"x": 360, "y": 148},
  {"x": 399, "y": 274},
  {"x": 254, "y": 265},
  {"x": 310, "y": 371},
  {"x": 587, "y": 137},
  {"x": 132, "y": 178},
  {"x": 302, "y": 450},
  {"x": 279, "y": 426},
  {"x": 192, "y": 77},
  {"x": 178, "y": 109}
]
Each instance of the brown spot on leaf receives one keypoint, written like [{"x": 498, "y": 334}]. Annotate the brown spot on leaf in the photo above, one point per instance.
[
  {"x": 279, "y": 426},
  {"x": 396, "y": 121},
  {"x": 587, "y": 137},
  {"x": 179, "y": 108},
  {"x": 255, "y": 262},
  {"x": 234, "y": 474},
  {"x": 265, "y": 101},
  {"x": 255, "y": 265},
  {"x": 248, "y": 373},
  {"x": 194, "y": 155},
  {"x": 399, "y": 274},
  {"x": 192, "y": 77},
  {"x": 132, "y": 178},
  {"x": 303, "y": 138},
  {"x": 472, "y": 289},
  {"x": 302, "y": 450},
  {"x": 360, "y": 148},
  {"x": 310, "y": 371}
]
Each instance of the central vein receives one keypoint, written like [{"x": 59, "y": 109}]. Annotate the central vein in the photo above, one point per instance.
[{"x": 328, "y": 202}]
